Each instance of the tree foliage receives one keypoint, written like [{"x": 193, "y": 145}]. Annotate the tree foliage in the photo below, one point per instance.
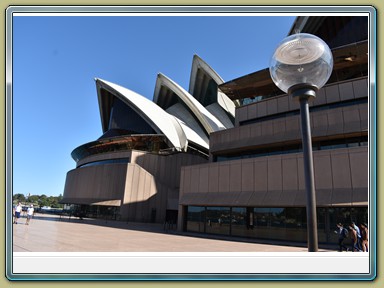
[
  {"x": 39, "y": 200},
  {"x": 18, "y": 198}
]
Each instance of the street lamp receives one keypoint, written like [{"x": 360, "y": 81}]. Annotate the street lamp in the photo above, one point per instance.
[{"x": 300, "y": 66}]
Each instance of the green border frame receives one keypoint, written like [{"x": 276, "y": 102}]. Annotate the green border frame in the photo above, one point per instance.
[{"x": 373, "y": 164}]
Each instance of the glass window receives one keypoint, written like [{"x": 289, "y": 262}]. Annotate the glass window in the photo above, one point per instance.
[
  {"x": 345, "y": 215},
  {"x": 218, "y": 220},
  {"x": 240, "y": 226},
  {"x": 124, "y": 117},
  {"x": 333, "y": 146},
  {"x": 261, "y": 223},
  {"x": 286, "y": 224},
  {"x": 277, "y": 217},
  {"x": 195, "y": 218},
  {"x": 295, "y": 217},
  {"x": 277, "y": 228},
  {"x": 108, "y": 161},
  {"x": 210, "y": 94},
  {"x": 322, "y": 224},
  {"x": 353, "y": 144},
  {"x": 262, "y": 217},
  {"x": 296, "y": 148},
  {"x": 296, "y": 229}
]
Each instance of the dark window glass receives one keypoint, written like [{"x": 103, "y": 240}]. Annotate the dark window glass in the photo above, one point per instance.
[
  {"x": 345, "y": 215},
  {"x": 296, "y": 148},
  {"x": 262, "y": 217},
  {"x": 277, "y": 228},
  {"x": 211, "y": 93},
  {"x": 287, "y": 224},
  {"x": 240, "y": 226},
  {"x": 218, "y": 220},
  {"x": 277, "y": 217},
  {"x": 333, "y": 146},
  {"x": 312, "y": 109},
  {"x": 322, "y": 224},
  {"x": 296, "y": 229},
  {"x": 353, "y": 144},
  {"x": 103, "y": 162},
  {"x": 124, "y": 117},
  {"x": 195, "y": 219}
]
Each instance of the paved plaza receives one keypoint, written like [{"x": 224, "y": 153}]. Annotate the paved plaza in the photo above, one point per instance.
[{"x": 52, "y": 233}]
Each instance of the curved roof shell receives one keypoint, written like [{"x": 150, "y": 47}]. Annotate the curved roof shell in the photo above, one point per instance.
[
  {"x": 198, "y": 63},
  {"x": 203, "y": 85},
  {"x": 174, "y": 94},
  {"x": 193, "y": 136},
  {"x": 157, "y": 118}
]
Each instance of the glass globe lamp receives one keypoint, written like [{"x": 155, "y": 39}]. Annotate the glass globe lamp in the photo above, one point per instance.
[{"x": 301, "y": 60}]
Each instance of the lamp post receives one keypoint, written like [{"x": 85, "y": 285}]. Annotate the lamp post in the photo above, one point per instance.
[{"x": 300, "y": 66}]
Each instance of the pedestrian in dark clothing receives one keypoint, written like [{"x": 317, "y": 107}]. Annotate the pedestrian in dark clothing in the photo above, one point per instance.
[{"x": 343, "y": 234}]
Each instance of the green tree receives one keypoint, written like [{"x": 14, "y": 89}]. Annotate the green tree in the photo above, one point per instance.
[
  {"x": 33, "y": 199},
  {"x": 18, "y": 197},
  {"x": 54, "y": 200},
  {"x": 43, "y": 201}
]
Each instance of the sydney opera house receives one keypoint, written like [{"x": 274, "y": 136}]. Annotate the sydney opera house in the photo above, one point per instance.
[
  {"x": 225, "y": 157},
  {"x": 133, "y": 169}
]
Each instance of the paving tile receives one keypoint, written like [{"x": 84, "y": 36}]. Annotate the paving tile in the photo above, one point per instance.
[{"x": 50, "y": 233}]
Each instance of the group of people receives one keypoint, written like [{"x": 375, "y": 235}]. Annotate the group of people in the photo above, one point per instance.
[
  {"x": 17, "y": 213},
  {"x": 354, "y": 238}
]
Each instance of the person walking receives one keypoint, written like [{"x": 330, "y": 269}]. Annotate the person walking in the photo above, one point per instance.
[
  {"x": 364, "y": 237},
  {"x": 343, "y": 234},
  {"x": 353, "y": 236},
  {"x": 29, "y": 214},
  {"x": 358, "y": 235},
  {"x": 18, "y": 210}
]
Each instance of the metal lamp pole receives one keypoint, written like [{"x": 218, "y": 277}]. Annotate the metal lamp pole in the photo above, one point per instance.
[
  {"x": 300, "y": 66},
  {"x": 303, "y": 93}
]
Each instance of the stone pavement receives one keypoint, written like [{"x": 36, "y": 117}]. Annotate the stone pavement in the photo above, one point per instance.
[{"x": 50, "y": 233}]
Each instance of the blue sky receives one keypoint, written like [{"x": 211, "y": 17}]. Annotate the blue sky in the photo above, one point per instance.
[{"x": 56, "y": 58}]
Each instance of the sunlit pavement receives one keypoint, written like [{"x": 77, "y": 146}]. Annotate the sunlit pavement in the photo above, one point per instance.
[{"x": 50, "y": 233}]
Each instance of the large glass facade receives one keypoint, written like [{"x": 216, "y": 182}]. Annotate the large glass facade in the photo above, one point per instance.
[
  {"x": 96, "y": 211},
  {"x": 124, "y": 117},
  {"x": 275, "y": 223}
]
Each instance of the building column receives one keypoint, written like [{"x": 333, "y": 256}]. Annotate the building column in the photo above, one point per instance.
[{"x": 181, "y": 218}]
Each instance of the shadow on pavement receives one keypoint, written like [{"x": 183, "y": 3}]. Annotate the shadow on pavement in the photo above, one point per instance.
[{"x": 163, "y": 229}]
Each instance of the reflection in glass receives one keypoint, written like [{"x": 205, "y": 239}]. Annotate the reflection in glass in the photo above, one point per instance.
[
  {"x": 274, "y": 223},
  {"x": 239, "y": 222},
  {"x": 195, "y": 219},
  {"x": 218, "y": 220}
]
